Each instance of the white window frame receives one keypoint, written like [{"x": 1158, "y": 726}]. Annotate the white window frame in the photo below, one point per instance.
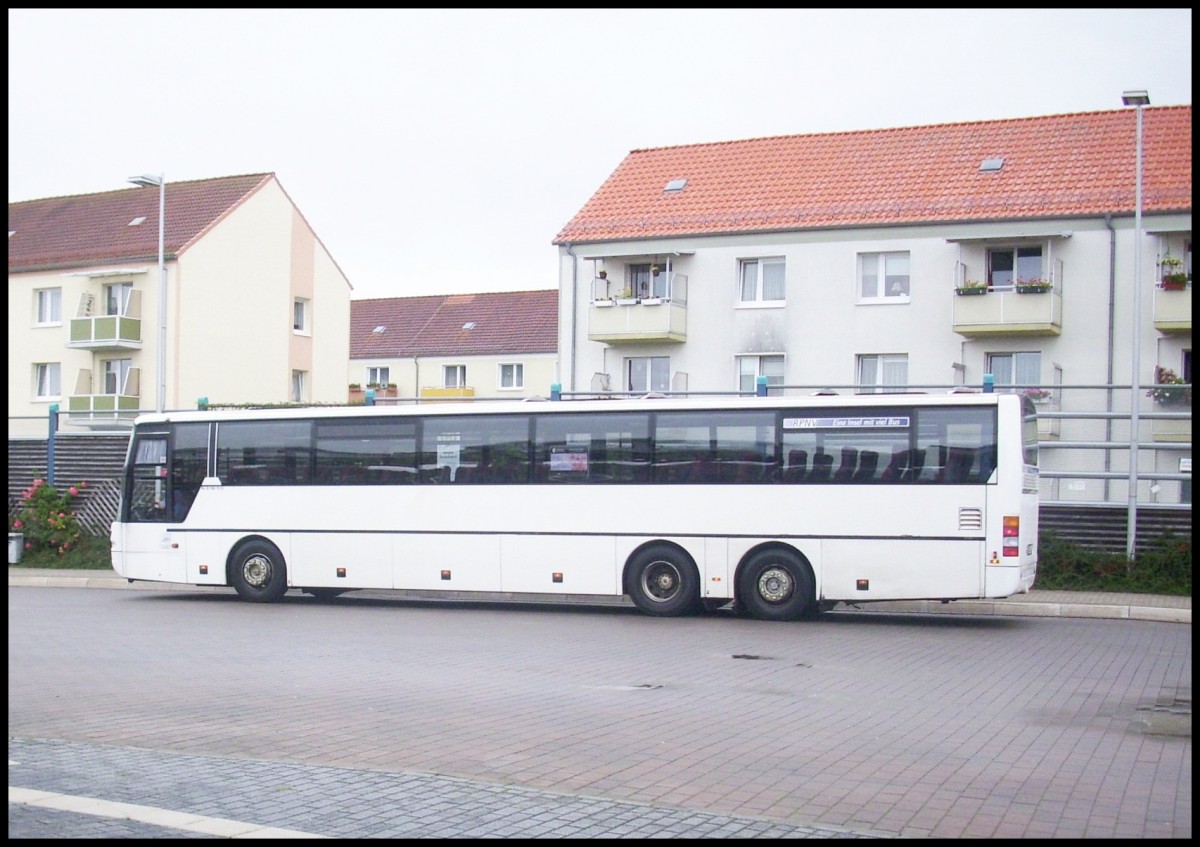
[
  {"x": 454, "y": 376},
  {"x": 299, "y": 387},
  {"x": 751, "y": 283},
  {"x": 875, "y": 373},
  {"x": 116, "y": 375},
  {"x": 116, "y": 296},
  {"x": 379, "y": 375},
  {"x": 47, "y": 307},
  {"x": 510, "y": 376},
  {"x": 47, "y": 380},
  {"x": 647, "y": 373},
  {"x": 300, "y": 316},
  {"x": 884, "y": 287},
  {"x": 1022, "y": 367},
  {"x": 750, "y": 368}
]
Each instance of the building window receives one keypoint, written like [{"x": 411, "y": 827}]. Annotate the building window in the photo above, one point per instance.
[
  {"x": 750, "y": 368},
  {"x": 116, "y": 298},
  {"x": 49, "y": 305},
  {"x": 379, "y": 376},
  {"x": 300, "y": 315},
  {"x": 512, "y": 376},
  {"x": 647, "y": 281},
  {"x": 882, "y": 373},
  {"x": 46, "y": 380},
  {"x": 299, "y": 387},
  {"x": 1010, "y": 369},
  {"x": 454, "y": 376},
  {"x": 649, "y": 373},
  {"x": 883, "y": 276},
  {"x": 762, "y": 281},
  {"x": 116, "y": 374},
  {"x": 1008, "y": 265}
]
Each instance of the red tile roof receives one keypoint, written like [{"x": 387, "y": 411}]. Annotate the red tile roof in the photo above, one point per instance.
[
  {"x": 93, "y": 229},
  {"x": 1056, "y": 166},
  {"x": 505, "y": 323}
]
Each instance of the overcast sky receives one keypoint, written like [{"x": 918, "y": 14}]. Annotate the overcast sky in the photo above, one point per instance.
[{"x": 440, "y": 151}]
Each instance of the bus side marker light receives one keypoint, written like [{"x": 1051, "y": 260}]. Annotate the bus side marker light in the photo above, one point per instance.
[
  {"x": 203, "y": 570},
  {"x": 341, "y": 572},
  {"x": 556, "y": 577},
  {"x": 862, "y": 584},
  {"x": 445, "y": 574}
]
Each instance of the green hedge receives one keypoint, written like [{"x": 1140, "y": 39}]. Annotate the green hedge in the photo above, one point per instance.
[{"x": 1165, "y": 568}]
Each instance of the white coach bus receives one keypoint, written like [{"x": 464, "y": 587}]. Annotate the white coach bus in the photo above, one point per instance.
[{"x": 783, "y": 506}]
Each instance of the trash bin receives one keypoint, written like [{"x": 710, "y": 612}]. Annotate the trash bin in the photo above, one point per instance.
[{"x": 16, "y": 545}]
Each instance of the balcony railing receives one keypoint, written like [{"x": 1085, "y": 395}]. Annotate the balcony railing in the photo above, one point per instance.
[
  {"x": 1173, "y": 309},
  {"x": 105, "y": 332},
  {"x": 102, "y": 411},
  {"x": 659, "y": 315},
  {"x": 1007, "y": 311}
]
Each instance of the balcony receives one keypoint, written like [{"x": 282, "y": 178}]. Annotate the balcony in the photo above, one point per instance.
[
  {"x": 659, "y": 315},
  {"x": 107, "y": 332},
  {"x": 461, "y": 392},
  {"x": 1007, "y": 311},
  {"x": 102, "y": 411},
  {"x": 1173, "y": 309}
]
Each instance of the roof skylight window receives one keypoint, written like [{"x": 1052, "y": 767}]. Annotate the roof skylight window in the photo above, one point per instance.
[
  {"x": 675, "y": 185},
  {"x": 379, "y": 330},
  {"x": 991, "y": 166},
  {"x": 137, "y": 221},
  {"x": 469, "y": 325}
]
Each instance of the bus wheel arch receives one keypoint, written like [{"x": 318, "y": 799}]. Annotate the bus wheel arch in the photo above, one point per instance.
[
  {"x": 257, "y": 570},
  {"x": 662, "y": 579},
  {"x": 775, "y": 582}
]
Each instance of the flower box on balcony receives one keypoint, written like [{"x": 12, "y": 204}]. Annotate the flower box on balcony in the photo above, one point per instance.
[
  {"x": 969, "y": 288},
  {"x": 1033, "y": 286},
  {"x": 1174, "y": 282}
]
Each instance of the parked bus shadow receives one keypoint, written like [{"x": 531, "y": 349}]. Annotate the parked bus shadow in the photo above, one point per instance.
[{"x": 382, "y": 599}]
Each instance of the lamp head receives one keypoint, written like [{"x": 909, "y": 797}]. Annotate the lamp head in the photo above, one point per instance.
[
  {"x": 146, "y": 180},
  {"x": 1137, "y": 97}
]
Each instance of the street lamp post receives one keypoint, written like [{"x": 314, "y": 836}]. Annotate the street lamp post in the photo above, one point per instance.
[
  {"x": 1137, "y": 99},
  {"x": 161, "y": 362}
]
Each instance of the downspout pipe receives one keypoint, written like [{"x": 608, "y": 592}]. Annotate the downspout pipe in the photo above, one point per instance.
[{"x": 574, "y": 313}]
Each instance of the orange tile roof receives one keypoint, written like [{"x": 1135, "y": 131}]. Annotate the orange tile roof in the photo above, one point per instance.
[
  {"x": 506, "y": 322},
  {"x": 93, "y": 229},
  {"x": 1055, "y": 166}
]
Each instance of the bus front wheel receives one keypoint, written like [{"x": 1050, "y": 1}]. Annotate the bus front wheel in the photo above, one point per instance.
[
  {"x": 258, "y": 572},
  {"x": 664, "y": 582},
  {"x": 776, "y": 585}
]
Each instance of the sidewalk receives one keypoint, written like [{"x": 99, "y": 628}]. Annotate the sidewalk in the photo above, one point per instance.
[{"x": 1064, "y": 604}]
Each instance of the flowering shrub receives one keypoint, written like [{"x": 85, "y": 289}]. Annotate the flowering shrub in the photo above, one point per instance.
[
  {"x": 46, "y": 519},
  {"x": 1169, "y": 388}
]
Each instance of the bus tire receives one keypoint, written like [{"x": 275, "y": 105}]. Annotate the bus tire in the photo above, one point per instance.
[
  {"x": 258, "y": 572},
  {"x": 663, "y": 581},
  {"x": 776, "y": 585}
]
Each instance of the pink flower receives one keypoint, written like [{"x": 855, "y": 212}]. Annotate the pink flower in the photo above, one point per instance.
[
  {"x": 72, "y": 490},
  {"x": 28, "y": 545},
  {"x": 17, "y": 524},
  {"x": 38, "y": 482}
]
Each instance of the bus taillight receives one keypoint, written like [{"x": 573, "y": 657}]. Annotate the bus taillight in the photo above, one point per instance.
[{"x": 1012, "y": 535}]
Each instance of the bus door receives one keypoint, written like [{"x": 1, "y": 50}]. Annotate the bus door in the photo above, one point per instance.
[{"x": 144, "y": 548}]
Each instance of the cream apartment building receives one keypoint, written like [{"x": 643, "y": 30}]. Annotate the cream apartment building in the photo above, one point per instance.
[
  {"x": 256, "y": 308},
  {"x": 915, "y": 258},
  {"x": 491, "y": 345}
]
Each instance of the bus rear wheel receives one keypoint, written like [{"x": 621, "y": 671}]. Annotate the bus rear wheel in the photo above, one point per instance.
[
  {"x": 258, "y": 572},
  {"x": 776, "y": 585},
  {"x": 663, "y": 581}
]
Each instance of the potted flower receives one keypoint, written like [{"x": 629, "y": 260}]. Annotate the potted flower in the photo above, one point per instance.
[
  {"x": 971, "y": 286},
  {"x": 1036, "y": 285},
  {"x": 1037, "y": 395},
  {"x": 1169, "y": 388},
  {"x": 1173, "y": 276}
]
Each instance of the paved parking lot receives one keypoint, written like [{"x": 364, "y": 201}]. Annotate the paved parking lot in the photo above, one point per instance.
[{"x": 379, "y": 717}]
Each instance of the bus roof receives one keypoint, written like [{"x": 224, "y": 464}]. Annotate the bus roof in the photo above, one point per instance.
[{"x": 597, "y": 405}]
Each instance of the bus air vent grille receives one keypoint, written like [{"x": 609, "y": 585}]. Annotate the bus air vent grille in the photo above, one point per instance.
[{"x": 970, "y": 517}]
